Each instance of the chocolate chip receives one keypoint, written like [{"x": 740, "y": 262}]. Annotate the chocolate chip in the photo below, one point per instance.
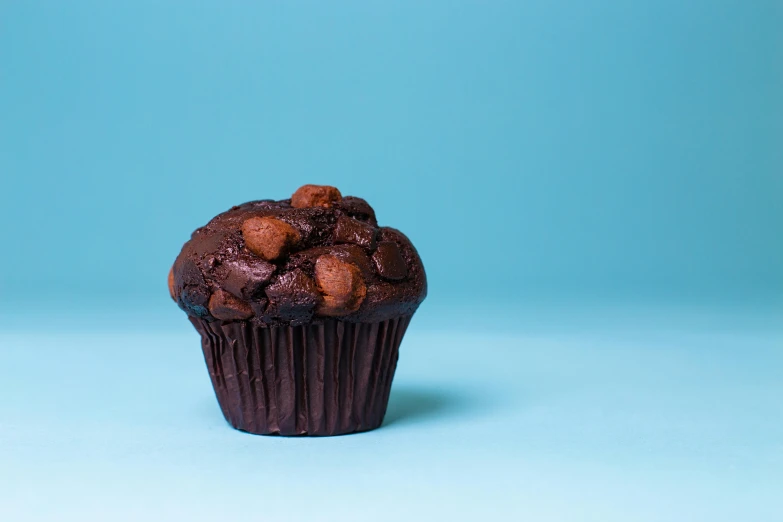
[
  {"x": 389, "y": 261},
  {"x": 206, "y": 242},
  {"x": 194, "y": 300},
  {"x": 315, "y": 196},
  {"x": 341, "y": 284},
  {"x": 350, "y": 230},
  {"x": 305, "y": 259},
  {"x": 293, "y": 294},
  {"x": 187, "y": 273},
  {"x": 171, "y": 284},
  {"x": 226, "y": 307},
  {"x": 269, "y": 238},
  {"x": 246, "y": 278},
  {"x": 357, "y": 208},
  {"x": 315, "y": 224},
  {"x": 355, "y": 255}
]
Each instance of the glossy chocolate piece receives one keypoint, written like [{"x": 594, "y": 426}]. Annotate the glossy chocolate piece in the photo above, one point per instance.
[
  {"x": 227, "y": 307},
  {"x": 357, "y": 208},
  {"x": 350, "y": 230},
  {"x": 269, "y": 238},
  {"x": 315, "y": 196},
  {"x": 341, "y": 284},
  {"x": 292, "y": 297},
  {"x": 353, "y": 254},
  {"x": 246, "y": 278},
  {"x": 389, "y": 262}
]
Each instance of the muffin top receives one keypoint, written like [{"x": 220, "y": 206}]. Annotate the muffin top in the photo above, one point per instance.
[{"x": 289, "y": 262}]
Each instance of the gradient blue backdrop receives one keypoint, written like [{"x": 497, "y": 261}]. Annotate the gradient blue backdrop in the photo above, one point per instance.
[
  {"x": 627, "y": 156},
  {"x": 590, "y": 148}
]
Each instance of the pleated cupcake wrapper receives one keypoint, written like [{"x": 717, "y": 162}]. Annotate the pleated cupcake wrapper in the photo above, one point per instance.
[{"x": 317, "y": 379}]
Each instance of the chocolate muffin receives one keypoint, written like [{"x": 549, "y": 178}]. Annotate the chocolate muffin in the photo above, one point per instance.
[{"x": 301, "y": 305}]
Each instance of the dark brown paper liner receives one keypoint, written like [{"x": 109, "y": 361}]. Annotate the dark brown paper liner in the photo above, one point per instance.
[{"x": 329, "y": 378}]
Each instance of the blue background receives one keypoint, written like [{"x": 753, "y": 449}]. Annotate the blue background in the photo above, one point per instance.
[{"x": 596, "y": 189}]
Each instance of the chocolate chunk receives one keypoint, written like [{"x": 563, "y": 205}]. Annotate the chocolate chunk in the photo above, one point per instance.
[
  {"x": 206, "y": 242},
  {"x": 305, "y": 259},
  {"x": 294, "y": 285},
  {"x": 194, "y": 300},
  {"x": 389, "y": 261},
  {"x": 355, "y": 255},
  {"x": 357, "y": 208},
  {"x": 194, "y": 294},
  {"x": 315, "y": 196},
  {"x": 246, "y": 278},
  {"x": 187, "y": 273},
  {"x": 315, "y": 225},
  {"x": 341, "y": 284},
  {"x": 350, "y": 230},
  {"x": 414, "y": 288},
  {"x": 171, "y": 284},
  {"x": 269, "y": 238},
  {"x": 226, "y": 307},
  {"x": 292, "y": 296}
]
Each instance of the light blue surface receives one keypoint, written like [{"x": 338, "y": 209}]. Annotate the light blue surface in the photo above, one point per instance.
[
  {"x": 595, "y": 189},
  {"x": 602, "y": 415}
]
